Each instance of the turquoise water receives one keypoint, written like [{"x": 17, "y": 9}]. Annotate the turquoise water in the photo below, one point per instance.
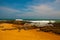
[{"x": 57, "y": 20}]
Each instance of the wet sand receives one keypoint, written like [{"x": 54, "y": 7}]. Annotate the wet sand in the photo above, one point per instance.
[{"x": 26, "y": 34}]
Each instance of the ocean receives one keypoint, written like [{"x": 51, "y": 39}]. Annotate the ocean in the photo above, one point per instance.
[{"x": 57, "y": 20}]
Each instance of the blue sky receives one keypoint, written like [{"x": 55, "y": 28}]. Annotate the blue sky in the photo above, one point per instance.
[{"x": 30, "y": 9}]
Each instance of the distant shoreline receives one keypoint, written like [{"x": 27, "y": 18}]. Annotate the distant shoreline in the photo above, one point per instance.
[{"x": 57, "y": 20}]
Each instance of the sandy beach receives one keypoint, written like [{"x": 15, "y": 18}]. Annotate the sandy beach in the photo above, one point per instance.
[{"x": 26, "y": 34}]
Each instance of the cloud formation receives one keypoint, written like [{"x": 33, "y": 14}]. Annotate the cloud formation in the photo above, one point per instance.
[
  {"x": 9, "y": 9},
  {"x": 38, "y": 9},
  {"x": 43, "y": 11}
]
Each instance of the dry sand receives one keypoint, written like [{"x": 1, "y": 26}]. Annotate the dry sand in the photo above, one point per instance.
[{"x": 26, "y": 34}]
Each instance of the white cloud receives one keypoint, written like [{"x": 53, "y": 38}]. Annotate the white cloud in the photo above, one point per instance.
[
  {"x": 55, "y": 4},
  {"x": 48, "y": 10},
  {"x": 9, "y": 9},
  {"x": 42, "y": 8},
  {"x": 57, "y": 1},
  {"x": 42, "y": 11}
]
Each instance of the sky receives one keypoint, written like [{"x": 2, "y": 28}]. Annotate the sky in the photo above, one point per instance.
[{"x": 30, "y": 9}]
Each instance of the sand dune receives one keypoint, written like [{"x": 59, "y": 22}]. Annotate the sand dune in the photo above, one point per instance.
[{"x": 26, "y": 34}]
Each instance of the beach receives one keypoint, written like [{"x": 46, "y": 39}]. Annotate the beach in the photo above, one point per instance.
[{"x": 26, "y": 34}]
